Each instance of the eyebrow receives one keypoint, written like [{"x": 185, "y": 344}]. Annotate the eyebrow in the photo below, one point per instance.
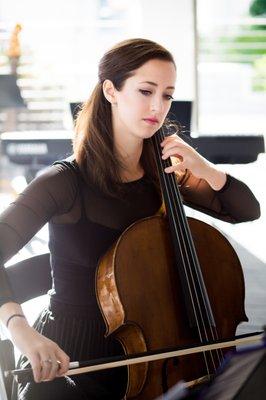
[{"x": 155, "y": 84}]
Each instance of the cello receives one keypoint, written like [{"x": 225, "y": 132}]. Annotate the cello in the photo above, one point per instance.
[{"x": 170, "y": 281}]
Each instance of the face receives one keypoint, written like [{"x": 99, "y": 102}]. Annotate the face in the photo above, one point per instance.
[{"x": 144, "y": 100}]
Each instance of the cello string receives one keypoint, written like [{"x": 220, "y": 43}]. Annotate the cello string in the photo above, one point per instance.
[
  {"x": 185, "y": 229},
  {"x": 185, "y": 270},
  {"x": 211, "y": 355},
  {"x": 178, "y": 237},
  {"x": 182, "y": 234},
  {"x": 197, "y": 280},
  {"x": 174, "y": 187},
  {"x": 193, "y": 254},
  {"x": 196, "y": 263}
]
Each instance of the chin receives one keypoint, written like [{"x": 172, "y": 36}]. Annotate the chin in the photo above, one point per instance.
[
  {"x": 150, "y": 135},
  {"x": 145, "y": 133},
  {"x": 149, "y": 132}
]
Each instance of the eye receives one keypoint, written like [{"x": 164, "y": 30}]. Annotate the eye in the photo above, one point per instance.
[
  {"x": 168, "y": 97},
  {"x": 145, "y": 92}
]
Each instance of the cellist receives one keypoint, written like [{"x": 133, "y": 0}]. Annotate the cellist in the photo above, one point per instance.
[{"x": 88, "y": 200}]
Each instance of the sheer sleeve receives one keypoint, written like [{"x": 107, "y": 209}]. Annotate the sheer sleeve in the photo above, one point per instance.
[
  {"x": 234, "y": 203},
  {"x": 52, "y": 193}
]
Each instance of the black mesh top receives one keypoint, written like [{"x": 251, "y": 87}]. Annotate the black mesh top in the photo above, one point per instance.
[{"x": 84, "y": 223}]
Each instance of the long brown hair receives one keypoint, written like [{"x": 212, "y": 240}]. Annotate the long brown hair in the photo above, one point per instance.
[{"x": 93, "y": 141}]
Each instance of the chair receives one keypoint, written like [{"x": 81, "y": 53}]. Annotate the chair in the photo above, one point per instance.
[{"x": 29, "y": 278}]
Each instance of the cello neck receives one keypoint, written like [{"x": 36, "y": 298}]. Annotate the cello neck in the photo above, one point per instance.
[{"x": 195, "y": 294}]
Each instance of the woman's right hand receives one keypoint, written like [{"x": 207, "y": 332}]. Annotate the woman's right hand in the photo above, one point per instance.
[{"x": 47, "y": 359}]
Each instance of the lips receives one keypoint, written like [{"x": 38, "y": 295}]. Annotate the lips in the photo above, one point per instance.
[{"x": 151, "y": 120}]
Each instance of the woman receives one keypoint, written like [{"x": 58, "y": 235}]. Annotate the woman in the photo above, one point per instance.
[{"x": 88, "y": 200}]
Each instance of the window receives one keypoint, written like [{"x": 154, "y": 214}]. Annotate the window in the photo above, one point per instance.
[{"x": 232, "y": 66}]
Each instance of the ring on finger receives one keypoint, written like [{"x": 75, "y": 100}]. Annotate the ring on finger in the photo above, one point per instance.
[{"x": 47, "y": 361}]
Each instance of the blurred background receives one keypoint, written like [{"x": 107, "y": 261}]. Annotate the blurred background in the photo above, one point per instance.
[{"x": 49, "y": 52}]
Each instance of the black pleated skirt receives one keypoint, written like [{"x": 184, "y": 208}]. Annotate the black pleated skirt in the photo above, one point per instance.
[{"x": 81, "y": 336}]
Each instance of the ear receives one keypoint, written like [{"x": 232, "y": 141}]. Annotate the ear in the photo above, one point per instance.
[{"x": 109, "y": 91}]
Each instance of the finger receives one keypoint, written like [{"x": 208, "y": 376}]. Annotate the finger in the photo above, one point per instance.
[
  {"x": 173, "y": 168},
  {"x": 63, "y": 360},
  {"x": 53, "y": 369},
  {"x": 36, "y": 367},
  {"x": 176, "y": 142},
  {"x": 174, "y": 152},
  {"x": 172, "y": 145},
  {"x": 46, "y": 366},
  {"x": 169, "y": 139}
]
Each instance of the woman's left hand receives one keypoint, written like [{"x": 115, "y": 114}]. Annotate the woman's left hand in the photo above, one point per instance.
[{"x": 185, "y": 157}]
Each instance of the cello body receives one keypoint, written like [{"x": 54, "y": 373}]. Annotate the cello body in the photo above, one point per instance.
[{"x": 140, "y": 295}]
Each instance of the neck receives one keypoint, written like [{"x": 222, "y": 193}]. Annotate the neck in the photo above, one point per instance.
[{"x": 128, "y": 149}]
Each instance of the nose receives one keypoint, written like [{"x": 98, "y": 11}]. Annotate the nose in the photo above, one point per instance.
[{"x": 157, "y": 104}]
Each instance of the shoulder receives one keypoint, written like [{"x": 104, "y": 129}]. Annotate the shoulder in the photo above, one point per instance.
[
  {"x": 58, "y": 183},
  {"x": 64, "y": 172},
  {"x": 68, "y": 165}
]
